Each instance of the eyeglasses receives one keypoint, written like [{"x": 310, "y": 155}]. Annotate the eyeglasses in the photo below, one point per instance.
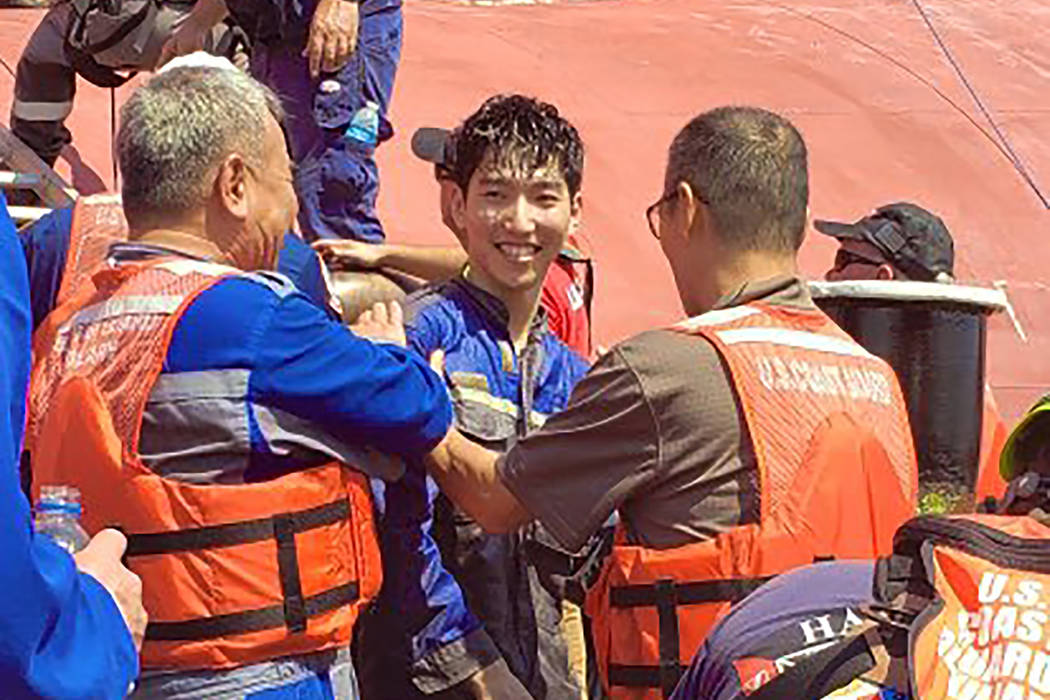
[
  {"x": 844, "y": 258},
  {"x": 652, "y": 214}
]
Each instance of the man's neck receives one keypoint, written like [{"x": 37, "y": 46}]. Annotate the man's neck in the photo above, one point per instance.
[
  {"x": 747, "y": 267},
  {"x": 521, "y": 305},
  {"x": 180, "y": 241}
]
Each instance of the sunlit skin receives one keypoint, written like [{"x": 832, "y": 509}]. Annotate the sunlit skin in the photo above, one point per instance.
[
  {"x": 243, "y": 219},
  {"x": 514, "y": 225},
  {"x": 860, "y": 260},
  {"x": 271, "y": 204},
  {"x": 448, "y": 188}
]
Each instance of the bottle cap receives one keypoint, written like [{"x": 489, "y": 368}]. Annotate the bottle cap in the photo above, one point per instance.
[{"x": 60, "y": 499}]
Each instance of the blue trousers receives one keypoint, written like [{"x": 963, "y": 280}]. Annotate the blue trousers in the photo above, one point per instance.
[{"x": 337, "y": 182}]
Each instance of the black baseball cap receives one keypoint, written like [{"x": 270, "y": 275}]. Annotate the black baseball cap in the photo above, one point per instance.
[
  {"x": 912, "y": 239},
  {"x": 434, "y": 145}
]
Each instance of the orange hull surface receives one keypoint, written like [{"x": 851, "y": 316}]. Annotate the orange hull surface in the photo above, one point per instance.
[{"x": 942, "y": 102}]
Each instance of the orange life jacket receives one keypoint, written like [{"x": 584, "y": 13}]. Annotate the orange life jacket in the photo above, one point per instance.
[
  {"x": 990, "y": 483},
  {"x": 986, "y": 632},
  {"x": 232, "y": 574},
  {"x": 837, "y": 477},
  {"x": 97, "y": 223}
]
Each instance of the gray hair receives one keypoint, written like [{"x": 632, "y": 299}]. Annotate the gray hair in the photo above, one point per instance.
[{"x": 176, "y": 130}]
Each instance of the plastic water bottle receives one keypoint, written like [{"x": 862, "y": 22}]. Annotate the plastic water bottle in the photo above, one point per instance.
[
  {"x": 363, "y": 132},
  {"x": 58, "y": 515}
]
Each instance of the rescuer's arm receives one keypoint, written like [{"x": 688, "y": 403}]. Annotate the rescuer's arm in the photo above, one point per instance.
[
  {"x": 61, "y": 634},
  {"x": 467, "y": 473},
  {"x": 431, "y": 263},
  {"x": 357, "y": 392},
  {"x": 573, "y": 472},
  {"x": 190, "y": 36}
]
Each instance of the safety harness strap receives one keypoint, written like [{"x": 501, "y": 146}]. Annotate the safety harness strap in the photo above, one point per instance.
[
  {"x": 244, "y": 532},
  {"x": 637, "y": 595}
]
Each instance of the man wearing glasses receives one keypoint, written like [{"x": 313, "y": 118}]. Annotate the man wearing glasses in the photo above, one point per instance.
[
  {"x": 903, "y": 241},
  {"x": 749, "y": 439},
  {"x": 899, "y": 241}
]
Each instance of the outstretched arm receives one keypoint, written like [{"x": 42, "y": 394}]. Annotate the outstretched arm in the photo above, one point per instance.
[
  {"x": 431, "y": 263},
  {"x": 467, "y": 472}
]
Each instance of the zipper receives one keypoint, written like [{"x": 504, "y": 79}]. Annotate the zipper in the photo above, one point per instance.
[{"x": 976, "y": 539}]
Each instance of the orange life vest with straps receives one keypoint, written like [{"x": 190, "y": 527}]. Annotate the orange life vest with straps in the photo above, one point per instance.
[
  {"x": 837, "y": 476},
  {"x": 985, "y": 632},
  {"x": 232, "y": 574}
]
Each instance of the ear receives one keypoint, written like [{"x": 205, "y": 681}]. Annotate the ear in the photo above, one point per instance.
[
  {"x": 458, "y": 211},
  {"x": 575, "y": 212},
  {"x": 686, "y": 210},
  {"x": 231, "y": 186},
  {"x": 885, "y": 272}
]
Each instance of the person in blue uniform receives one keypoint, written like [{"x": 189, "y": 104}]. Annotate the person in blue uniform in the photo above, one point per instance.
[
  {"x": 64, "y": 623},
  {"x": 518, "y": 170},
  {"x": 258, "y": 381},
  {"x": 333, "y": 63}
]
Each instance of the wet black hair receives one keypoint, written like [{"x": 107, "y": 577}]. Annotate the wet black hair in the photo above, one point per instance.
[{"x": 521, "y": 133}]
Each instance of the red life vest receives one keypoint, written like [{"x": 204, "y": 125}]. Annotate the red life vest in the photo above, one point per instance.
[
  {"x": 232, "y": 574},
  {"x": 837, "y": 477}
]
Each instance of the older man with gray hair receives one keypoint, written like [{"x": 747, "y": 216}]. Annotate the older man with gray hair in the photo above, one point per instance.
[{"x": 218, "y": 416}]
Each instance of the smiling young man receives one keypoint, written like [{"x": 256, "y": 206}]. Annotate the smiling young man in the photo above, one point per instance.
[
  {"x": 518, "y": 167},
  {"x": 749, "y": 439}
]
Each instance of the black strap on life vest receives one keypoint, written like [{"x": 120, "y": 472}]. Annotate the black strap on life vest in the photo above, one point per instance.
[
  {"x": 666, "y": 595},
  {"x": 282, "y": 527}
]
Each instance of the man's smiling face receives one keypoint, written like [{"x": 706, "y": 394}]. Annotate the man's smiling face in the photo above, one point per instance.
[{"x": 515, "y": 221}]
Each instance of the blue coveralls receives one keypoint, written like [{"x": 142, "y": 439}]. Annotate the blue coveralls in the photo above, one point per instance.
[
  {"x": 497, "y": 395},
  {"x": 301, "y": 369},
  {"x": 61, "y": 634},
  {"x": 337, "y": 183}
]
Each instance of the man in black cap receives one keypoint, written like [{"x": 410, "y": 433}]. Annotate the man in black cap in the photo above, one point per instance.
[
  {"x": 903, "y": 241},
  {"x": 899, "y": 241}
]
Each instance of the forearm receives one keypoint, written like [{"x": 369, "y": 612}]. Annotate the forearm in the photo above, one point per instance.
[
  {"x": 468, "y": 475},
  {"x": 431, "y": 263},
  {"x": 209, "y": 12}
]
